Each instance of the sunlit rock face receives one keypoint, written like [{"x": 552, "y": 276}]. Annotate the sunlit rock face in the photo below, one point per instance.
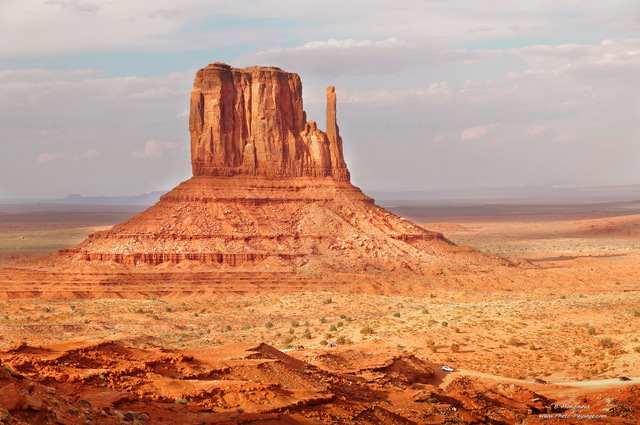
[{"x": 251, "y": 121}]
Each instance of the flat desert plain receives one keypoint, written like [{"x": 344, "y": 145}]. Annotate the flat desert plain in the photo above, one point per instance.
[{"x": 545, "y": 342}]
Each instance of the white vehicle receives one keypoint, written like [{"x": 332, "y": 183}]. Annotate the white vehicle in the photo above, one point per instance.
[{"x": 447, "y": 369}]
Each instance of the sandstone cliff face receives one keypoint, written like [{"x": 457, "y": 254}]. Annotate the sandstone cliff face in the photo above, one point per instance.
[{"x": 251, "y": 121}]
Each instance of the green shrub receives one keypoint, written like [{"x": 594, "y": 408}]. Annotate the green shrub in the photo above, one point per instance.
[
  {"x": 454, "y": 348},
  {"x": 268, "y": 325},
  {"x": 366, "y": 330},
  {"x": 606, "y": 343},
  {"x": 182, "y": 401},
  {"x": 396, "y": 314},
  {"x": 333, "y": 328}
]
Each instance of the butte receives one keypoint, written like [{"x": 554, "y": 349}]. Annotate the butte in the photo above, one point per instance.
[{"x": 270, "y": 193}]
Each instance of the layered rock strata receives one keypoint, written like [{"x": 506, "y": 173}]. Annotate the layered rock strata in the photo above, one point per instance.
[{"x": 270, "y": 191}]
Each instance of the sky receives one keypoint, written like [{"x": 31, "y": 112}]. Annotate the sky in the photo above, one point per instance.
[{"x": 432, "y": 94}]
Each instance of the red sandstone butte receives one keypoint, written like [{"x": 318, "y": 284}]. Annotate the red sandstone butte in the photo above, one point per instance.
[
  {"x": 270, "y": 191},
  {"x": 251, "y": 122}
]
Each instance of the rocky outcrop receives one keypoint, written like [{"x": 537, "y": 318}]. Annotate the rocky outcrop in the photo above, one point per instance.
[
  {"x": 270, "y": 192},
  {"x": 251, "y": 121}
]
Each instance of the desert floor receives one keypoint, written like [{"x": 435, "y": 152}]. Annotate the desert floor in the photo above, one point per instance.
[{"x": 570, "y": 317}]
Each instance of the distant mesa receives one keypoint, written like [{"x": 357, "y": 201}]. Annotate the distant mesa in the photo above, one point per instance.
[{"x": 270, "y": 192}]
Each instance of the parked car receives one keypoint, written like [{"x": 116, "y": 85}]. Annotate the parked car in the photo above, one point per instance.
[
  {"x": 539, "y": 381},
  {"x": 298, "y": 347},
  {"x": 447, "y": 369},
  {"x": 624, "y": 378}
]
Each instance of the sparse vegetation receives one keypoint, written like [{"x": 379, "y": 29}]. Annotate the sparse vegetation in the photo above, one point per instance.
[
  {"x": 606, "y": 343},
  {"x": 366, "y": 330}
]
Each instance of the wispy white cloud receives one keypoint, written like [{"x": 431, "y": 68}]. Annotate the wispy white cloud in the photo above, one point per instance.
[
  {"x": 154, "y": 149},
  {"x": 333, "y": 58},
  {"x": 48, "y": 157},
  {"x": 475, "y": 133}
]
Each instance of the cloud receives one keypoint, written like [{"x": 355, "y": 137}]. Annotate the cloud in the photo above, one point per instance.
[
  {"x": 333, "y": 58},
  {"x": 154, "y": 149},
  {"x": 91, "y": 26},
  {"x": 48, "y": 157},
  {"x": 90, "y": 154},
  {"x": 475, "y": 133},
  {"x": 38, "y": 87},
  {"x": 610, "y": 59},
  {"x": 536, "y": 130},
  {"x": 75, "y": 5}
]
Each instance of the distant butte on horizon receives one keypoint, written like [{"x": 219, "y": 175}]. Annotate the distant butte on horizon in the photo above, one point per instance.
[{"x": 270, "y": 192}]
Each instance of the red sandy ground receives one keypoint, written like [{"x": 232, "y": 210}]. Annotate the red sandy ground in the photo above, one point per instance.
[{"x": 175, "y": 348}]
